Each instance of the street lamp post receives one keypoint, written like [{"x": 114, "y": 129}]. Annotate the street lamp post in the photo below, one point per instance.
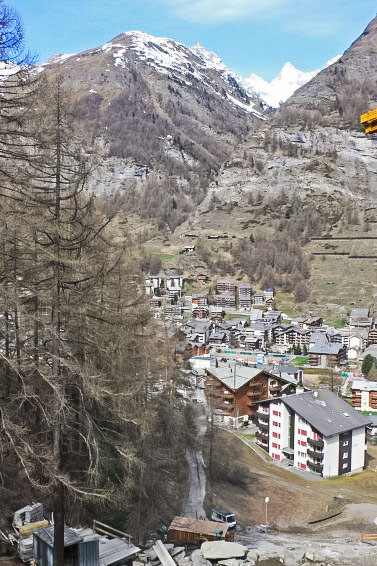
[{"x": 266, "y": 500}]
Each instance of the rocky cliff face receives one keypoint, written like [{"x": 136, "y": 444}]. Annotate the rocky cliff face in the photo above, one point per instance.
[
  {"x": 313, "y": 145},
  {"x": 162, "y": 113}
]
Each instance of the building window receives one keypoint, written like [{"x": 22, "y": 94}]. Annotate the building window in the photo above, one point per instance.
[
  {"x": 345, "y": 465},
  {"x": 276, "y": 456},
  {"x": 345, "y": 443},
  {"x": 345, "y": 455},
  {"x": 275, "y": 423},
  {"x": 276, "y": 413},
  {"x": 301, "y": 442},
  {"x": 303, "y": 466},
  {"x": 302, "y": 432},
  {"x": 275, "y": 445},
  {"x": 302, "y": 454},
  {"x": 276, "y": 434}
]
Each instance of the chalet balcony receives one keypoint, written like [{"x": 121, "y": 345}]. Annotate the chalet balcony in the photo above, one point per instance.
[
  {"x": 274, "y": 388},
  {"x": 254, "y": 393},
  {"x": 216, "y": 393},
  {"x": 228, "y": 394},
  {"x": 316, "y": 468},
  {"x": 315, "y": 454},
  {"x": 316, "y": 444},
  {"x": 262, "y": 411},
  {"x": 263, "y": 426},
  {"x": 253, "y": 384},
  {"x": 226, "y": 407}
]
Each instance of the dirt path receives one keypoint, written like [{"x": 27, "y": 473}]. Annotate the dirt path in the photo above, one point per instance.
[{"x": 194, "y": 504}]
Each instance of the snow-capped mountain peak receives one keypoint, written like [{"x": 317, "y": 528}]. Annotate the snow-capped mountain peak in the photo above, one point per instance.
[
  {"x": 282, "y": 86},
  {"x": 190, "y": 65},
  {"x": 184, "y": 64}
]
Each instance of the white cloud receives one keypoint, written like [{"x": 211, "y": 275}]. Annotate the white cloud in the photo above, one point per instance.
[
  {"x": 319, "y": 26},
  {"x": 219, "y": 11}
]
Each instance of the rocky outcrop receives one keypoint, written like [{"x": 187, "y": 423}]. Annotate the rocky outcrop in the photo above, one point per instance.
[
  {"x": 314, "y": 144},
  {"x": 324, "y": 161}
]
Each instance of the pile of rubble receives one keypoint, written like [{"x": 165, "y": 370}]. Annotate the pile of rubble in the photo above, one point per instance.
[{"x": 221, "y": 553}]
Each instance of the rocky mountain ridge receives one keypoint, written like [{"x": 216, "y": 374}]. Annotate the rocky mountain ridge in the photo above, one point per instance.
[
  {"x": 164, "y": 117},
  {"x": 173, "y": 121},
  {"x": 313, "y": 145}
]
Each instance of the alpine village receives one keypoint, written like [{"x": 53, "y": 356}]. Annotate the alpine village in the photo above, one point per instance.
[{"x": 188, "y": 309}]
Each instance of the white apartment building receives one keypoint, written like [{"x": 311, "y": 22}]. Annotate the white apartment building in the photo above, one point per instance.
[
  {"x": 174, "y": 285},
  {"x": 152, "y": 283},
  {"x": 316, "y": 430}
]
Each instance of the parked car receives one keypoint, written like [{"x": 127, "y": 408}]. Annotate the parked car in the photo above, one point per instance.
[{"x": 224, "y": 516}]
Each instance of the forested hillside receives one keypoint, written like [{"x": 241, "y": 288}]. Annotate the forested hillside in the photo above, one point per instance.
[
  {"x": 160, "y": 119},
  {"x": 88, "y": 382}
]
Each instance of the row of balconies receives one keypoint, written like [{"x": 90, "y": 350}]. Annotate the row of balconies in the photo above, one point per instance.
[
  {"x": 317, "y": 468},
  {"x": 315, "y": 454},
  {"x": 262, "y": 436},
  {"x": 316, "y": 444}
]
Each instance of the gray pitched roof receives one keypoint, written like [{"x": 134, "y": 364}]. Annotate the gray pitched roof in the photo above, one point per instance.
[
  {"x": 364, "y": 385},
  {"x": 326, "y": 348},
  {"x": 226, "y": 375},
  {"x": 359, "y": 313},
  {"x": 325, "y": 412},
  {"x": 47, "y": 535},
  {"x": 243, "y": 375}
]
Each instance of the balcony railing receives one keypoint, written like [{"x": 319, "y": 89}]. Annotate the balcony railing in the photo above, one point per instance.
[
  {"x": 274, "y": 388},
  {"x": 262, "y": 411},
  {"x": 316, "y": 444},
  {"x": 263, "y": 417},
  {"x": 315, "y": 454},
  {"x": 262, "y": 436},
  {"x": 263, "y": 426},
  {"x": 254, "y": 393},
  {"x": 317, "y": 468}
]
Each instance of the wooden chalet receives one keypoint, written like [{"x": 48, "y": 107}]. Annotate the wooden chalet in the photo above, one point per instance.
[
  {"x": 327, "y": 354},
  {"x": 225, "y": 287},
  {"x": 236, "y": 391},
  {"x": 186, "y": 530},
  {"x": 364, "y": 395}
]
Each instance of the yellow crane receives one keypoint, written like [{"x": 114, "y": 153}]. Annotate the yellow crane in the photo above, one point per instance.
[{"x": 369, "y": 121}]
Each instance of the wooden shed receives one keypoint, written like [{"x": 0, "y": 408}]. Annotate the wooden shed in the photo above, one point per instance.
[{"x": 186, "y": 530}]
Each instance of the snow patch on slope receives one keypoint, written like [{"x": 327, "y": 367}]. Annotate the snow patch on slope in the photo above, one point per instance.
[
  {"x": 8, "y": 69},
  {"x": 184, "y": 64}
]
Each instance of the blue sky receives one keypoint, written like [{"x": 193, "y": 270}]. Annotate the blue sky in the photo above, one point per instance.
[{"x": 251, "y": 36}]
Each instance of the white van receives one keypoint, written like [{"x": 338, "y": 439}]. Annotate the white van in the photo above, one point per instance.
[{"x": 224, "y": 516}]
